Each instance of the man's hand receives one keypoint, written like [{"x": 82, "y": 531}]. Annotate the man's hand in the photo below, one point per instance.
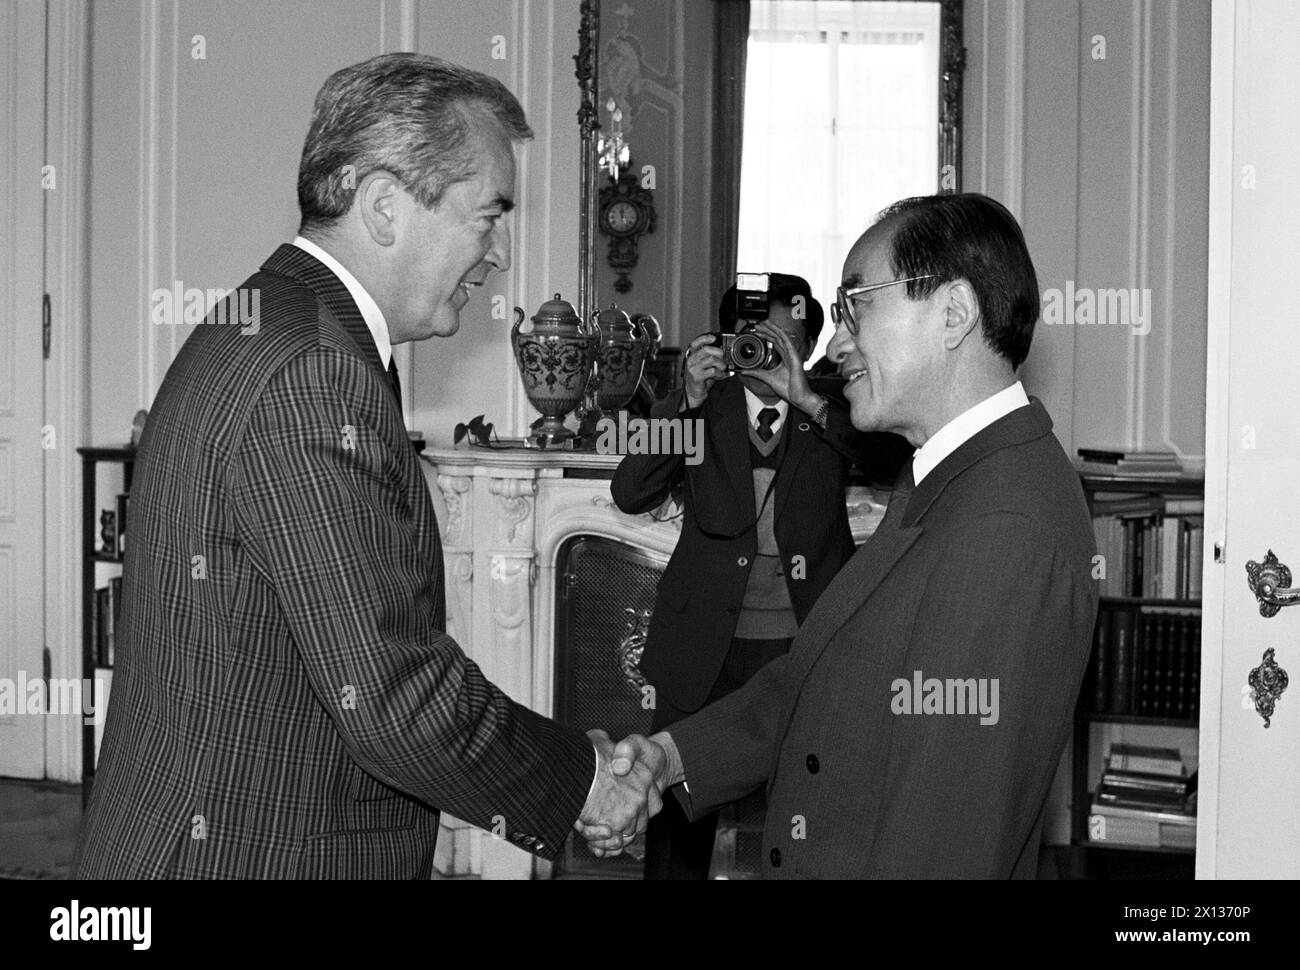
[
  {"x": 625, "y": 795},
  {"x": 704, "y": 367},
  {"x": 788, "y": 379}
]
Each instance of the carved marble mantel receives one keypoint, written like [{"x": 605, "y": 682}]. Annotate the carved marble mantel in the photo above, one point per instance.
[{"x": 504, "y": 515}]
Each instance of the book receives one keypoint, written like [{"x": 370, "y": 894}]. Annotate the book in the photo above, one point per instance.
[
  {"x": 115, "y": 598},
  {"x": 106, "y": 613},
  {"x": 1170, "y": 536},
  {"x": 1101, "y": 662},
  {"x": 1132, "y": 558},
  {"x": 1121, "y": 674},
  {"x": 1147, "y": 759},
  {"x": 1128, "y": 469},
  {"x": 1128, "y": 454},
  {"x": 1125, "y": 826},
  {"x": 1194, "y": 673},
  {"x": 1184, "y": 557},
  {"x": 1196, "y": 561},
  {"x": 1160, "y": 700},
  {"x": 1182, "y": 706},
  {"x": 1146, "y": 665},
  {"x": 1145, "y": 781},
  {"x": 1177, "y": 818},
  {"x": 121, "y": 510}
]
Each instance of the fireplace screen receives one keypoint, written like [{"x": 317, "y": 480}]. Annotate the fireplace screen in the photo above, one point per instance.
[{"x": 605, "y": 597}]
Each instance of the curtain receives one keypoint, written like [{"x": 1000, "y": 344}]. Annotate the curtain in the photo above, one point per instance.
[
  {"x": 840, "y": 119},
  {"x": 730, "y": 50}
]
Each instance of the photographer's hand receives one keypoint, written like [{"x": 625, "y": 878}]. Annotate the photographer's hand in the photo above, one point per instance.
[
  {"x": 703, "y": 367},
  {"x": 788, "y": 379}
]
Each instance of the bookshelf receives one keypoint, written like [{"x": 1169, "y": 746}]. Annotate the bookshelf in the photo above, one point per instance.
[
  {"x": 97, "y": 561},
  {"x": 1142, "y": 685}
]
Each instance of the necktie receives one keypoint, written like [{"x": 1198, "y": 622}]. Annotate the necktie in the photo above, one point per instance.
[
  {"x": 898, "y": 499},
  {"x": 395, "y": 381},
  {"x": 765, "y": 419}
]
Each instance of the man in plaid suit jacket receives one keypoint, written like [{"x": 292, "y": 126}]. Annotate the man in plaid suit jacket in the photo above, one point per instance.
[{"x": 287, "y": 703}]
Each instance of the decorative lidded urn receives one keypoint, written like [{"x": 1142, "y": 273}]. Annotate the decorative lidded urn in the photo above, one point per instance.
[
  {"x": 620, "y": 359},
  {"x": 555, "y": 359}
]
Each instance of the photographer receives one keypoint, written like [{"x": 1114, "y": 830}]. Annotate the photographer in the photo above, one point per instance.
[{"x": 764, "y": 528}]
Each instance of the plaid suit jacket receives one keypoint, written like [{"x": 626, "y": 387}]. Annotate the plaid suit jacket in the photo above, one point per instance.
[
  {"x": 981, "y": 574},
  {"x": 285, "y": 702}
]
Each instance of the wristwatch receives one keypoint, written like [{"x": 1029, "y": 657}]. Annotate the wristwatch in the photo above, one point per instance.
[{"x": 822, "y": 412}]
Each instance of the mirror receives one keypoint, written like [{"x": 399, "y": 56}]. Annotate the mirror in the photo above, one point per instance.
[{"x": 752, "y": 131}]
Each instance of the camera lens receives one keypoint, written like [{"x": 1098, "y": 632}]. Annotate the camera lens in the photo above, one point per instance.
[{"x": 748, "y": 351}]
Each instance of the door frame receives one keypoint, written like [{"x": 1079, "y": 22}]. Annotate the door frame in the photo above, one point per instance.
[
  {"x": 1223, "y": 18},
  {"x": 67, "y": 279}
]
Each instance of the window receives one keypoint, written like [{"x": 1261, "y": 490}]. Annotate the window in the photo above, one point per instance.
[{"x": 841, "y": 119}]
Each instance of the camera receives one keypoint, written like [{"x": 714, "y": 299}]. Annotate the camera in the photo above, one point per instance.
[{"x": 746, "y": 351}]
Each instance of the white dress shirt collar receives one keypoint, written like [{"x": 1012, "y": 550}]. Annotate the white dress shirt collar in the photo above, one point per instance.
[
  {"x": 965, "y": 426},
  {"x": 753, "y": 405},
  {"x": 370, "y": 311}
]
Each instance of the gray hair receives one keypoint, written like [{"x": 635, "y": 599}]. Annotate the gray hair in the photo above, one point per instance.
[{"x": 408, "y": 114}]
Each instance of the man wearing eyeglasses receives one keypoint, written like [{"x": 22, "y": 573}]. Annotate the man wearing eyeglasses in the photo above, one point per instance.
[
  {"x": 764, "y": 528},
  {"x": 915, "y": 726}
]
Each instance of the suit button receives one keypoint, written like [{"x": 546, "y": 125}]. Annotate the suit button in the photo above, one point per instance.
[
  {"x": 742, "y": 561},
  {"x": 814, "y": 765},
  {"x": 775, "y": 856}
]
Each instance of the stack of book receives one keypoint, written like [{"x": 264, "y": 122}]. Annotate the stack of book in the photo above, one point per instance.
[
  {"x": 1120, "y": 462},
  {"x": 1145, "y": 798},
  {"x": 1152, "y": 546},
  {"x": 1146, "y": 660}
]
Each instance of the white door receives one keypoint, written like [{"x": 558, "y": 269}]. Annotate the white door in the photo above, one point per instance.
[
  {"x": 1249, "y": 813},
  {"x": 22, "y": 556}
]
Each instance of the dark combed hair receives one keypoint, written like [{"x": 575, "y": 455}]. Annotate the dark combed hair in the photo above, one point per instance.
[
  {"x": 974, "y": 238},
  {"x": 781, "y": 288},
  {"x": 407, "y": 114}
]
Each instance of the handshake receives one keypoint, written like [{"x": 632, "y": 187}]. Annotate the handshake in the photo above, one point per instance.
[{"x": 631, "y": 778}]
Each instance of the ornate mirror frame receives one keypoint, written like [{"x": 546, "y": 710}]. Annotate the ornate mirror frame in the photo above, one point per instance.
[{"x": 952, "y": 65}]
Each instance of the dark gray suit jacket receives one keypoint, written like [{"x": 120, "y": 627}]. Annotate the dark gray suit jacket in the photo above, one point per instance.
[
  {"x": 983, "y": 574},
  {"x": 286, "y": 702}
]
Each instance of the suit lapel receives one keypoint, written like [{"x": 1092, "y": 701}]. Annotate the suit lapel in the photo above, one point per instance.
[
  {"x": 302, "y": 266},
  {"x": 731, "y": 440},
  {"x": 1019, "y": 426},
  {"x": 798, "y": 435},
  {"x": 857, "y": 582}
]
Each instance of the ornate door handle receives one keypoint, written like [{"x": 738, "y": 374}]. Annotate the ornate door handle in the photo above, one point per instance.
[
  {"x": 1270, "y": 581},
  {"x": 1267, "y": 682}
]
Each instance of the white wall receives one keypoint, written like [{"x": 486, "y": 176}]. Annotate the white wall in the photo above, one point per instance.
[
  {"x": 194, "y": 166},
  {"x": 1106, "y": 164}
]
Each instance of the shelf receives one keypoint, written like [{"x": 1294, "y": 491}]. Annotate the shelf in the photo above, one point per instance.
[
  {"x": 1140, "y": 719},
  {"x": 1148, "y": 849},
  {"x": 107, "y": 454},
  {"x": 105, "y": 557}
]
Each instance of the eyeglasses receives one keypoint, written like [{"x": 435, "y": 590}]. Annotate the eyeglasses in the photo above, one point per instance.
[{"x": 841, "y": 312}]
